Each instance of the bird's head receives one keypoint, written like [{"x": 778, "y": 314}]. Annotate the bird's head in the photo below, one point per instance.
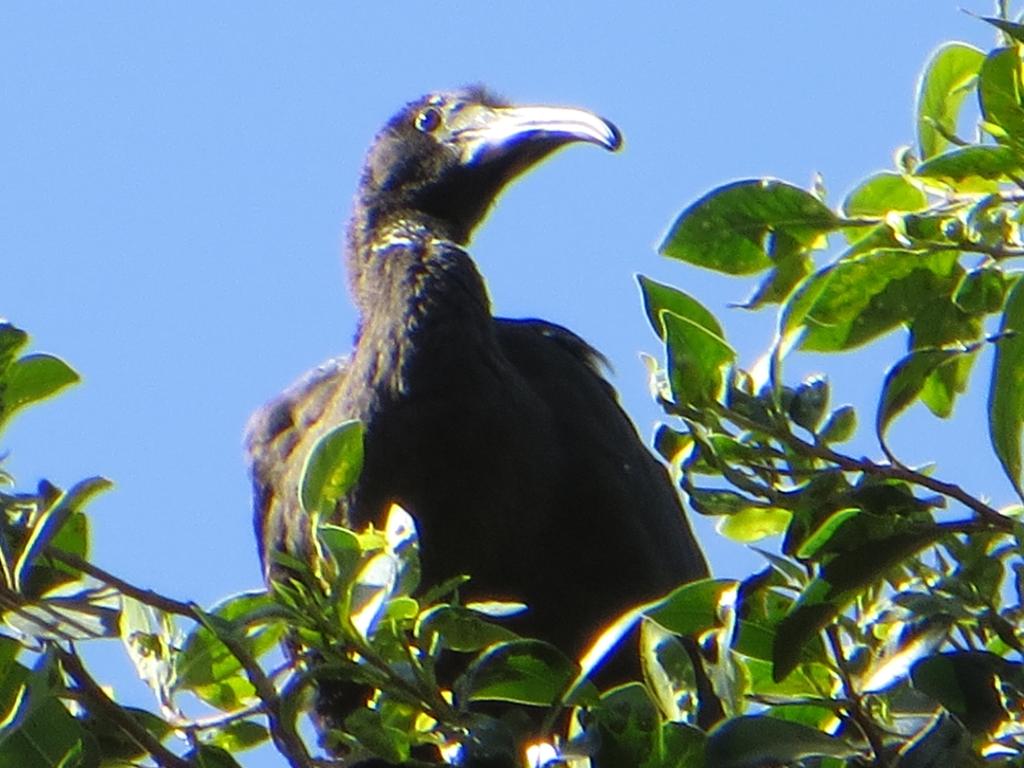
[{"x": 448, "y": 155}]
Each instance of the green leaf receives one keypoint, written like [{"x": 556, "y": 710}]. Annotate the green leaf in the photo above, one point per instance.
[
  {"x": 744, "y": 742},
  {"x": 239, "y": 736},
  {"x": 905, "y": 381},
  {"x": 332, "y": 468},
  {"x": 981, "y": 291},
  {"x": 668, "y": 671},
  {"x": 210, "y": 756},
  {"x": 859, "y": 298},
  {"x": 948, "y": 76},
  {"x": 692, "y": 608},
  {"x": 630, "y": 730},
  {"x": 1014, "y": 30},
  {"x": 728, "y": 229},
  {"x": 520, "y": 671},
  {"x": 999, "y": 91},
  {"x": 821, "y": 535},
  {"x": 460, "y": 629},
  {"x": 967, "y": 683},
  {"x": 52, "y": 521},
  {"x": 1006, "y": 394},
  {"x": 840, "y": 426},
  {"x": 207, "y": 667},
  {"x": 697, "y": 360},
  {"x": 978, "y": 161},
  {"x": 659, "y": 298},
  {"x": 30, "y": 379},
  {"x": 754, "y": 523},
  {"x": 881, "y": 193},
  {"x": 839, "y": 582},
  {"x": 12, "y": 340}
]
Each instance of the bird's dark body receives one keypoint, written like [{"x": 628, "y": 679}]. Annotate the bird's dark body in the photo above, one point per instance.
[{"x": 501, "y": 437}]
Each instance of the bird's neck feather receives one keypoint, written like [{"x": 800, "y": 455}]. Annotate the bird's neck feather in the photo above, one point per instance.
[{"x": 421, "y": 299}]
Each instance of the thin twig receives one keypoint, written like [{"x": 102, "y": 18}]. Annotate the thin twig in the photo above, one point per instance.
[
  {"x": 856, "y": 706},
  {"x": 286, "y": 739},
  {"x": 147, "y": 596},
  {"x": 987, "y": 513},
  {"x": 101, "y": 702}
]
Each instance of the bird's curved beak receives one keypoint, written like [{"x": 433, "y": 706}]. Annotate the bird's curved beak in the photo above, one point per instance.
[{"x": 483, "y": 134}]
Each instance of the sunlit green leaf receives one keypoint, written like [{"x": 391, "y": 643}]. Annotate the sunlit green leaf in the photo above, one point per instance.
[
  {"x": 332, "y": 468},
  {"x": 860, "y": 298},
  {"x": 659, "y": 298},
  {"x": 754, "y": 523},
  {"x": 947, "y": 78},
  {"x": 32, "y": 378},
  {"x": 881, "y": 193},
  {"x": 692, "y": 608},
  {"x": 979, "y": 161},
  {"x": 728, "y": 229},
  {"x": 697, "y": 360},
  {"x": 1006, "y": 394},
  {"x": 239, "y": 736},
  {"x": 999, "y": 91}
]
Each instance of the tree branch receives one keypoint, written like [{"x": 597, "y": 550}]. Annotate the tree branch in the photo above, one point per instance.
[{"x": 98, "y": 699}]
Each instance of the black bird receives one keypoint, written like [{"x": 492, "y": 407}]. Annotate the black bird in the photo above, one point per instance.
[{"x": 501, "y": 437}]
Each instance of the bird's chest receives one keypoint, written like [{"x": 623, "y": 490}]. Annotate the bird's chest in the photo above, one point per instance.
[{"x": 461, "y": 444}]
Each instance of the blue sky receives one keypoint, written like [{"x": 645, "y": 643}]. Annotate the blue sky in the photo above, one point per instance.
[{"x": 175, "y": 182}]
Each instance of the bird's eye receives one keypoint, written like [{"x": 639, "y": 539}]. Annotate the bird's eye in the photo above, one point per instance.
[{"x": 428, "y": 120}]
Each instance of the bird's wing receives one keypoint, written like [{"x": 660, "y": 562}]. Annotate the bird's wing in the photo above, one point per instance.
[
  {"x": 625, "y": 493},
  {"x": 278, "y": 438}
]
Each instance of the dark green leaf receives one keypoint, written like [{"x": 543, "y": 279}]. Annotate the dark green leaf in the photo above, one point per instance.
[
  {"x": 967, "y": 683},
  {"x": 751, "y": 741},
  {"x": 809, "y": 401},
  {"x": 659, "y": 298},
  {"x": 840, "y": 580},
  {"x": 520, "y": 671},
  {"x": 979, "y": 161},
  {"x": 332, "y": 468},
  {"x": 781, "y": 280},
  {"x": 905, "y": 381},
  {"x": 943, "y": 743},
  {"x": 981, "y": 291},
  {"x": 999, "y": 91},
  {"x": 114, "y": 744},
  {"x": 386, "y": 741},
  {"x": 697, "y": 360},
  {"x": 12, "y": 340},
  {"x": 629, "y": 728},
  {"x": 841, "y": 425},
  {"x": 728, "y": 229},
  {"x": 460, "y": 629},
  {"x": 947, "y": 78},
  {"x": 1006, "y": 394},
  {"x": 210, "y": 756}
]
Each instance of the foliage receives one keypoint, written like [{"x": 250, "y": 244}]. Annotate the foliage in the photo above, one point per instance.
[{"x": 884, "y": 630}]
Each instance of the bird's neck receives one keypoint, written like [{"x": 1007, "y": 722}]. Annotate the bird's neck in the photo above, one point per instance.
[{"x": 421, "y": 300}]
